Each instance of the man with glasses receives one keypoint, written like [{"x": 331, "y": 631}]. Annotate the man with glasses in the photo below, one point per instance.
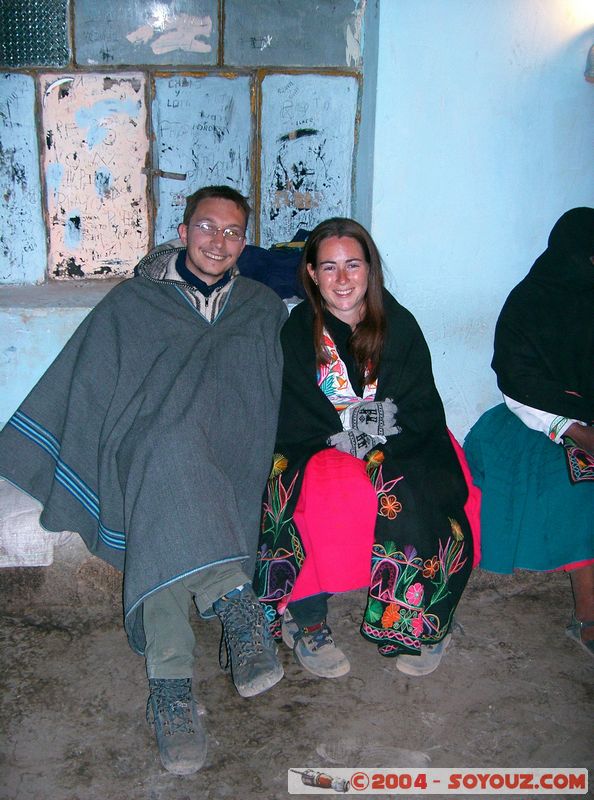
[{"x": 152, "y": 435}]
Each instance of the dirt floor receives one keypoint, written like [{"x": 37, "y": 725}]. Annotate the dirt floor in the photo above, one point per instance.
[{"x": 512, "y": 691}]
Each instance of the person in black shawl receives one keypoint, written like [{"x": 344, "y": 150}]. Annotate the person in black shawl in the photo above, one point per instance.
[
  {"x": 537, "y": 496},
  {"x": 366, "y": 488}
]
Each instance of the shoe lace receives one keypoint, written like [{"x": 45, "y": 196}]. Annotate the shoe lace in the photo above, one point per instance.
[
  {"x": 243, "y": 630},
  {"x": 170, "y": 702},
  {"x": 319, "y": 637}
]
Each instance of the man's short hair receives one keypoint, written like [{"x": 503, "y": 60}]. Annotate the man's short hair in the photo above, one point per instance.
[{"x": 222, "y": 192}]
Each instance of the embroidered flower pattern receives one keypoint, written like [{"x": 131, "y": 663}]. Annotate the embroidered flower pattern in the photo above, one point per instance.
[
  {"x": 390, "y": 506},
  {"x": 417, "y": 625},
  {"x": 405, "y": 619},
  {"x": 278, "y": 496},
  {"x": 390, "y": 616},
  {"x": 406, "y": 593},
  {"x": 456, "y": 529},
  {"x": 333, "y": 378},
  {"x": 414, "y": 594},
  {"x": 431, "y": 567},
  {"x": 279, "y": 464},
  {"x": 374, "y": 459},
  {"x": 374, "y": 469}
]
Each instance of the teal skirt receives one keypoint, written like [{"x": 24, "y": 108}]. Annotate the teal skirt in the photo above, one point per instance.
[{"x": 532, "y": 517}]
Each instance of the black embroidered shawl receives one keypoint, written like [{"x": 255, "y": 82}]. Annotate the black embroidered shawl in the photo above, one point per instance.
[
  {"x": 423, "y": 552},
  {"x": 544, "y": 338}
]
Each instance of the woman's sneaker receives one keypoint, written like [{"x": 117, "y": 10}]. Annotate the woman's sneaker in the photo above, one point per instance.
[
  {"x": 427, "y": 662},
  {"x": 289, "y": 629},
  {"x": 314, "y": 648}
]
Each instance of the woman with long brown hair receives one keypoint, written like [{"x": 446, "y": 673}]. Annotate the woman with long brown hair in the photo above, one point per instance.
[{"x": 366, "y": 488}]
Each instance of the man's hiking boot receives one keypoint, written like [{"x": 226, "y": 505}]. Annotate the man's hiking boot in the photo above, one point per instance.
[
  {"x": 180, "y": 735},
  {"x": 251, "y": 651}
]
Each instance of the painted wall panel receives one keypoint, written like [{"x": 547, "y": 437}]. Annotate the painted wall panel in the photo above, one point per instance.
[
  {"x": 95, "y": 150},
  {"x": 308, "y": 124},
  {"x": 22, "y": 237},
  {"x": 203, "y": 131},
  {"x": 287, "y": 33},
  {"x": 136, "y": 32}
]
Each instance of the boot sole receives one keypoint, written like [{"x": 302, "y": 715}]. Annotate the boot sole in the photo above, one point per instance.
[
  {"x": 336, "y": 672},
  {"x": 288, "y": 637},
  {"x": 418, "y": 671},
  {"x": 181, "y": 769}
]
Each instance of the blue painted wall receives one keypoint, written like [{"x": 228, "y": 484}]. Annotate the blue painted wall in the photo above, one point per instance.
[
  {"x": 307, "y": 152},
  {"x": 22, "y": 234},
  {"x": 483, "y": 137},
  {"x": 202, "y": 127},
  {"x": 205, "y": 125}
]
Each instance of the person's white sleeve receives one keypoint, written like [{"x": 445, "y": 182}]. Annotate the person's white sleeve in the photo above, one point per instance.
[{"x": 550, "y": 424}]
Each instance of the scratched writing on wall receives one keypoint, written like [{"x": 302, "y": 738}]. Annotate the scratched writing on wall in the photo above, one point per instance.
[
  {"x": 95, "y": 152},
  {"x": 203, "y": 137},
  {"x": 308, "y": 125},
  {"x": 22, "y": 240},
  {"x": 112, "y": 32}
]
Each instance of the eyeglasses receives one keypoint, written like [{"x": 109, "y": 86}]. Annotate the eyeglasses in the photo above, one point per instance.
[{"x": 230, "y": 234}]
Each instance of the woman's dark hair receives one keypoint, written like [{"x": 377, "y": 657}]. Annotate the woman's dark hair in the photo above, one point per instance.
[
  {"x": 220, "y": 193},
  {"x": 367, "y": 340}
]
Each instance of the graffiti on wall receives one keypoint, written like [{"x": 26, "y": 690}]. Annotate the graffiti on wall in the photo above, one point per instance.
[
  {"x": 137, "y": 32},
  {"x": 170, "y": 33},
  {"x": 203, "y": 137},
  {"x": 288, "y": 33},
  {"x": 95, "y": 151},
  {"x": 308, "y": 125},
  {"x": 22, "y": 240}
]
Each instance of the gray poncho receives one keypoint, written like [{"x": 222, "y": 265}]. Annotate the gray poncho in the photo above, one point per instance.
[{"x": 152, "y": 432}]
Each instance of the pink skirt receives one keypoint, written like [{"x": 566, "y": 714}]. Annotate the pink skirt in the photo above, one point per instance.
[{"x": 335, "y": 517}]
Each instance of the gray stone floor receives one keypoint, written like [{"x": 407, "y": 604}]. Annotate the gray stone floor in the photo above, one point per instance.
[{"x": 513, "y": 691}]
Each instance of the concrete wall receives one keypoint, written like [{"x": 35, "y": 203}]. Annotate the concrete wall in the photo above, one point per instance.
[
  {"x": 483, "y": 138},
  {"x": 96, "y": 161},
  {"x": 35, "y": 323},
  {"x": 101, "y": 159},
  {"x": 22, "y": 257}
]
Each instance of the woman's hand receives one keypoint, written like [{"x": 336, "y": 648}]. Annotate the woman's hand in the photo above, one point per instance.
[{"x": 582, "y": 435}]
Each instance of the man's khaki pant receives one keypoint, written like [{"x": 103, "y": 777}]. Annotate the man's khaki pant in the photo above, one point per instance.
[{"x": 170, "y": 639}]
